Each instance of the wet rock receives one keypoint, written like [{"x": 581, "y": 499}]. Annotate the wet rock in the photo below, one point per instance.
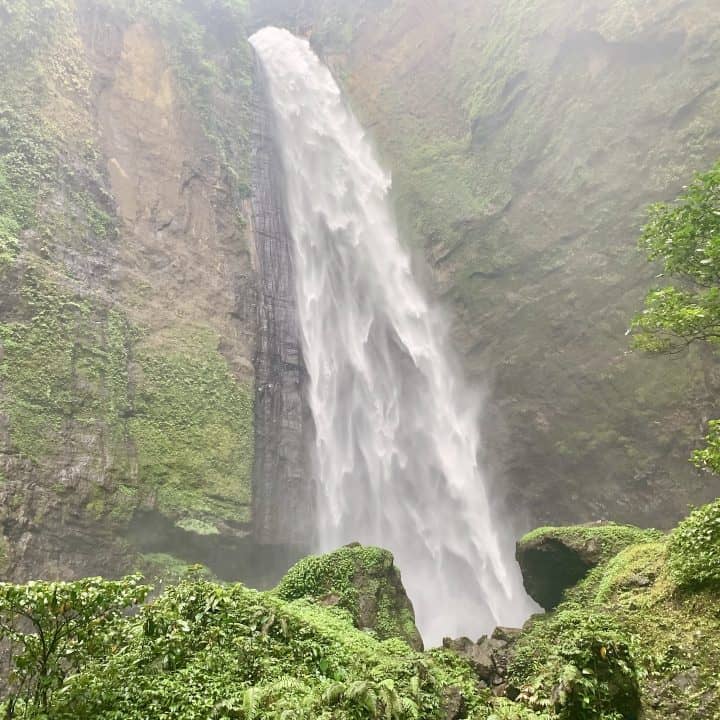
[
  {"x": 283, "y": 496},
  {"x": 453, "y": 704},
  {"x": 489, "y": 656},
  {"x": 552, "y": 560}
]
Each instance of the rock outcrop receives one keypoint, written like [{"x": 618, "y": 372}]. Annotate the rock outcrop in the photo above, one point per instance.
[
  {"x": 553, "y": 560},
  {"x": 489, "y": 657},
  {"x": 362, "y": 580}
]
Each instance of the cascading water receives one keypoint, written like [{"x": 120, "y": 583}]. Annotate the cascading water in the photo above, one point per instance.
[{"x": 396, "y": 430}]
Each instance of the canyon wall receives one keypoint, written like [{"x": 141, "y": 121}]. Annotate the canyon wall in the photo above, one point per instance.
[
  {"x": 130, "y": 290},
  {"x": 151, "y": 409},
  {"x": 526, "y": 139}
]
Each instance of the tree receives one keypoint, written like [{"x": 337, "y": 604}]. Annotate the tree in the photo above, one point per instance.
[
  {"x": 52, "y": 629},
  {"x": 685, "y": 237}
]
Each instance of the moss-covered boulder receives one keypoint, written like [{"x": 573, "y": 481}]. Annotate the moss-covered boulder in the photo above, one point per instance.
[
  {"x": 555, "y": 559},
  {"x": 362, "y": 580},
  {"x": 634, "y": 629}
]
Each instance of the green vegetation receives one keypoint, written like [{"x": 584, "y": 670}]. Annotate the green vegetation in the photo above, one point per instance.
[
  {"x": 202, "y": 651},
  {"x": 361, "y": 580},
  {"x": 57, "y": 367},
  {"x": 52, "y": 630},
  {"x": 685, "y": 237},
  {"x": 629, "y": 638},
  {"x": 577, "y": 664},
  {"x": 653, "y": 607},
  {"x": 599, "y": 542},
  {"x": 694, "y": 549},
  {"x": 192, "y": 423},
  {"x": 162, "y": 568}
]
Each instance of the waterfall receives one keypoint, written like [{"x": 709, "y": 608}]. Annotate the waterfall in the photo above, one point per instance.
[{"x": 397, "y": 438}]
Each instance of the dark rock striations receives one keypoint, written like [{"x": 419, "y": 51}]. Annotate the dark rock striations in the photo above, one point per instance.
[{"x": 283, "y": 493}]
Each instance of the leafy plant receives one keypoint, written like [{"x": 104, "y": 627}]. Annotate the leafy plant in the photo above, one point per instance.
[
  {"x": 577, "y": 665},
  {"x": 694, "y": 548},
  {"x": 53, "y": 629},
  {"x": 685, "y": 237}
]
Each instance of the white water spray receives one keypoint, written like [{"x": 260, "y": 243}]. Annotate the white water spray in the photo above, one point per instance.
[{"x": 397, "y": 433}]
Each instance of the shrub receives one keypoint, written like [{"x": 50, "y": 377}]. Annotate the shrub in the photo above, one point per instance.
[
  {"x": 694, "y": 549},
  {"x": 53, "y": 629},
  {"x": 577, "y": 665}
]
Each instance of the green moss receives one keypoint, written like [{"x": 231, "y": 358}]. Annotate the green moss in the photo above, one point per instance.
[
  {"x": 199, "y": 527},
  {"x": 55, "y": 367},
  {"x": 607, "y": 539},
  {"x": 166, "y": 568},
  {"x": 3, "y": 550},
  {"x": 361, "y": 580},
  {"x": 9, "y": 242},
  {"x": 635, "y": 566},
  {"x": 68, "y": 366},
  {"x": 192, "y": 424}
]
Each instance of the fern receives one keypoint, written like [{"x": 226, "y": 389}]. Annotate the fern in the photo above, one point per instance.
[
  {"x": 251, "y": 702},
  {"x": 334, "y": 693},
  {"x": 410, "y": 709}
]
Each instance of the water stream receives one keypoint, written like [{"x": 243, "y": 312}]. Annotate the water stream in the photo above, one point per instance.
[{"x": 397, "y": 434}]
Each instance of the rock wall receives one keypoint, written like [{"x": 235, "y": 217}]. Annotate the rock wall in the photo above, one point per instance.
[
  {"x": 129, "y": 291},
  {"x": 525, "y": 139},
  {"x": 283, "y": 493}
]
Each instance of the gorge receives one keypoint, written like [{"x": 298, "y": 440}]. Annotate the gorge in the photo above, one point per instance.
[{"x": 280, "y": 277}]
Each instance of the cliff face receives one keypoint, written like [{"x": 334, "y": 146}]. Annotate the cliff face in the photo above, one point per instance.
[
  {"x": 128, "y": 310},
  {"x": 525, "y": 139},
  {"x": 283, "y": 491},
  {"x": 148, "y": 348}
]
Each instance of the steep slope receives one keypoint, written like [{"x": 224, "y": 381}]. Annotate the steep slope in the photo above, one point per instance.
[
  {"x": 128, "y": 304},
  {"x": 525, "y": 140}
]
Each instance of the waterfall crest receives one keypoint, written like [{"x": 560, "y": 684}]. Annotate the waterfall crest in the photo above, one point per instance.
[{"x": 397, "y": 436}]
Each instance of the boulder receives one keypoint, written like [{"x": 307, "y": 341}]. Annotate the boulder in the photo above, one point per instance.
[
  {"x": 553, "y": 560},
  {"x": 489, "y": 656},
  {"x": 362, "y": 580}
]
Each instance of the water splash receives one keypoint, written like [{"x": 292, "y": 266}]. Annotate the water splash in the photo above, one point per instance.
[{"x": 397, "y": 432}]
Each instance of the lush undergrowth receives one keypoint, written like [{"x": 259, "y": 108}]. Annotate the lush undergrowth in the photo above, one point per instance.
[
  {"x": 203, "y": 650},
  {"x": 639, "y": 636},
  {"x": 640, "y": 633}
]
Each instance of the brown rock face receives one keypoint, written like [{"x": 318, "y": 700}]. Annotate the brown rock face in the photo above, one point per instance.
[
  {"x": 180, "y": 230},
  {"x": 141, "y": 307}
]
